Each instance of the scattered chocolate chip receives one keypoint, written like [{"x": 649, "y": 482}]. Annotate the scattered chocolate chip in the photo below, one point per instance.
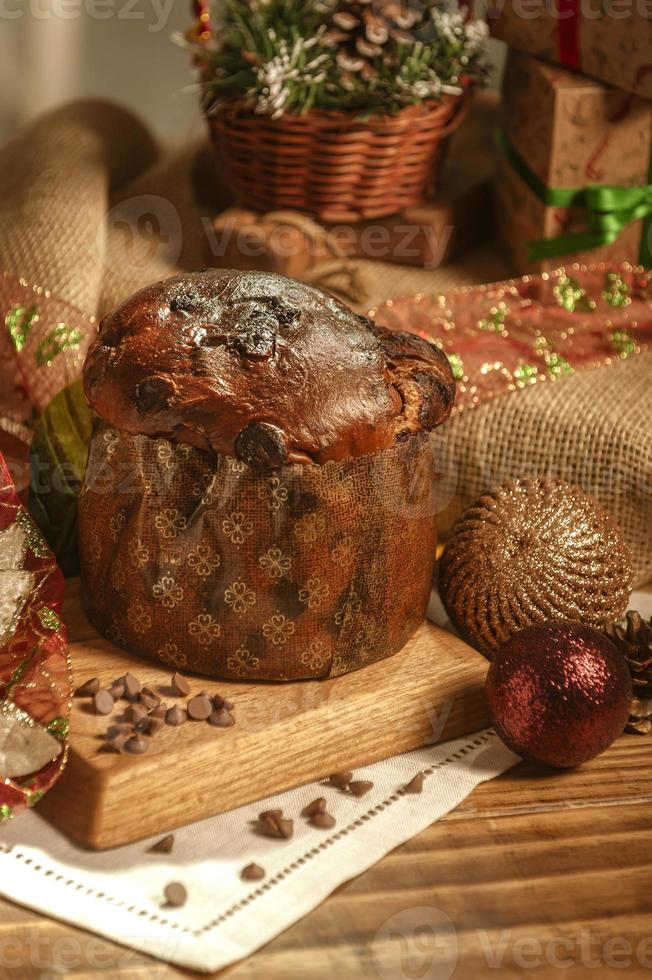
[
  {"x": 117, "y": 688},
  {"x": 135, "y": 713},
  {"x": 179, "y": 685},
  {"x": 222, "y": 718},
  {"x": 359, "y": 787},
  {"x": 317, "y": 806},
  {"x": 276, "y": 826},
  {"x": 136, "y": 745},
  {"x": 103, "y": 702},
  {"x": 322, "y": 820},
  {"x": 133, "y": 687},
  {"x": 116, "y": 736},
  {"x": 88, "y": 688},
  {"x": 159, "y": 711},
  {"x": 114, "y": 731},
  {"x": 221, "y": 702},
  {"x": 149, "y": 699},
  {"x": 200, "y": 707},
  {"x": 253, "y": 872},
  {"x": 274, "y": 814},
  {"x": 175, "y": 894},
  {"x": 162, "y": 846},
  {"x": 153, "y": 725},
  {"x": 416, "y": 784},
  {"x": 341, "y": 779},
  {"x": 175, "y": 716}
]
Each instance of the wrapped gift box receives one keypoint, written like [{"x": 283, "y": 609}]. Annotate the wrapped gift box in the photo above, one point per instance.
[
  {"x": 568, "y": 144},
  {"x": 612, "y": 42}
]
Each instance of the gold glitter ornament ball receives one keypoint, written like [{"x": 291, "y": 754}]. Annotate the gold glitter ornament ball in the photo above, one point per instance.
[{"x": 528, "y": 552}]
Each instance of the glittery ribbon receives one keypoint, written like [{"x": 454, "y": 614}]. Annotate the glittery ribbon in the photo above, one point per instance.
[
  {"x": 35, "y": 679},
  {"x": 43, "y": 342},
  {"x": 609, "y": 209},
  {"x": 508, "y": 336}
]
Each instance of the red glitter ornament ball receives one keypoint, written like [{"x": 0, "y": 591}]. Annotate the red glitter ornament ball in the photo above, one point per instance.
[{"x": 559, "y": 693}]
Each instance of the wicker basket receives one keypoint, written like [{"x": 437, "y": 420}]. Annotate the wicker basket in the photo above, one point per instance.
[{"x": 332, "y": 165}]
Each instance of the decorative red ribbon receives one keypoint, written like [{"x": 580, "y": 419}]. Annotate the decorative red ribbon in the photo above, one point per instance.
[{"x": 569, "y": 34}]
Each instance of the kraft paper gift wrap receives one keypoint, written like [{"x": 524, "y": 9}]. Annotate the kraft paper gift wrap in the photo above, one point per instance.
[
  {"x": 612, "y": 42},
  {"x": 193, "y": 559},
  {"x": 560, "y": 134}
]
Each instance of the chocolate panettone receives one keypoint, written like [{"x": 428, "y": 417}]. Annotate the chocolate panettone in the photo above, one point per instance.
[{"x": 258, "y": 499}]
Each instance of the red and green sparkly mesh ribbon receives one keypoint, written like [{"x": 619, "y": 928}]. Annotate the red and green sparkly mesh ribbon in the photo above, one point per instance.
[
  {"x": 42, "y": 350},
  {"x": 35, "y": 678},
  {"x": 507, "y": 336}
]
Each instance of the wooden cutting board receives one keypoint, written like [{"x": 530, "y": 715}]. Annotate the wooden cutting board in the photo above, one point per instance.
[{"x": 285, "y": 734}]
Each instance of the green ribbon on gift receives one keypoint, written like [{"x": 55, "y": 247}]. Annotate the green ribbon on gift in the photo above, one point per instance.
[{"x": 609, "y": 209}]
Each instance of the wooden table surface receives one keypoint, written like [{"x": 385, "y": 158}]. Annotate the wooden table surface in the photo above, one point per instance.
[{"x": 536, "y": 874}]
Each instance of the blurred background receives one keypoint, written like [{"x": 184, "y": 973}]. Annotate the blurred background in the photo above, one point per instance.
[{"x": 55, "y": 50}]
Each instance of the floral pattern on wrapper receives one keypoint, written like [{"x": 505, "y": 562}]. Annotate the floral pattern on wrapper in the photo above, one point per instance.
[{"x": 195, "y": 560}]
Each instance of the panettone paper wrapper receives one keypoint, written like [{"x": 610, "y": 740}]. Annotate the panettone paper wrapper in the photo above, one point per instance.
[{"x": 195, "y": 560}]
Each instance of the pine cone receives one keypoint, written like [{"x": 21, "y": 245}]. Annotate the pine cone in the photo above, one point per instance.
[
  {"x": 361, "y": 28},
  {"x": 633, "y": 637}
]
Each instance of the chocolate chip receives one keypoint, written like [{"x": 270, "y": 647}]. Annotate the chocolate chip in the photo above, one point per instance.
[
  {"x": 88, "y": 688},
  {"x": 175, "y": 894},
  {"x": 116, "y": 736},
  {"x": 117, "y": 688},
  {"x": 317, "y": 806},
  {"x": 176, "y": 716},
  {"x": 256, "y": 339},
  {"x": 341, "y": 779},
  {"x": 153, "y": 725},
  {"x": 200, "y": 707},
  {"x": 322, "y": 820},
  {"x": 222, "y": 718},
  {"x": 272, "y": 825},
  {"x": 159, "y": 711},
  {"x": 137, "y": 745},
  {"x": 179, "y": 686},
  {"x": 153, "y": 394},
  {"x": 360, "y": 787},
  {"x": 135, "y": 713},
  {"x": 162, "y": 846},
  {"x": 253, "y": 872},
  {"x": 416, "y": 784},
  {"x": 103, "y": 702},
  {"x": 274, "y": 814},
  {"x": 114, "y": 731},
  {"x": 221, "y": 702},
  {"x": 132, "y": 686},
  {"x": 149, "y": 699},
  {"x": 261, "y": 445}
]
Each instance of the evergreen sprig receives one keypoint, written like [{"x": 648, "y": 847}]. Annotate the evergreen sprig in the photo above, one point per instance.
[{"x": 275, "y": 55}]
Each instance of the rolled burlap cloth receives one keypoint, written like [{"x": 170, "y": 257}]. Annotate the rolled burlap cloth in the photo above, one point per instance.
[{"x": 56, "y": 178}]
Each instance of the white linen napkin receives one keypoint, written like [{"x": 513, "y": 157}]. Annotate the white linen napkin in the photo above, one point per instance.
[{"x": 119, "y": 893}]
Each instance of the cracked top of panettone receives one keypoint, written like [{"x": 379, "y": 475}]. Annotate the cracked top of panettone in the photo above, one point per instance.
[{"x": 263, "y": 368}]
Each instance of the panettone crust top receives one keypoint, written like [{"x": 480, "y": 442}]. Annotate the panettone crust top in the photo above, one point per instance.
[{"x": 263, "y": 368}]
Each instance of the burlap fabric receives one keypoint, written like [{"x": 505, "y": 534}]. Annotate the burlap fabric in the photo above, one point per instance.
[{"x": 195, "y": 560}]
